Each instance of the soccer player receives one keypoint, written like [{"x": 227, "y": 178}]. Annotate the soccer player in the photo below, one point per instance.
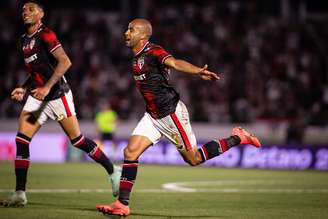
[
  {"x": 50, "y": 97},
  {"x": 106, "y": 120},
  {"x": 166, "y": 115}
]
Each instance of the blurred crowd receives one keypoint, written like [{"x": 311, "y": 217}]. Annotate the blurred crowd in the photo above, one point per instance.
[{"x": 271, "y": 68}]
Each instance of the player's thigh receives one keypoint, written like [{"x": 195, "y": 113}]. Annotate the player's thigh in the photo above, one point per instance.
[
  {"x": 28, "y": 124},
  {"x": 148, "y": 129},
  {"x": 177, "y": 128},
  {"x": 136, "y": 146},
  {"x": 71, "y": 127}
]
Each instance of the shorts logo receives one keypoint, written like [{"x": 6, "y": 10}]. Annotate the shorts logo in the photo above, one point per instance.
[{"x": 60, "y": 117}]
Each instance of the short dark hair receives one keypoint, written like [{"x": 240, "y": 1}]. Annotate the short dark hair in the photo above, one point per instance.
[{"x": 37, "y": 2}]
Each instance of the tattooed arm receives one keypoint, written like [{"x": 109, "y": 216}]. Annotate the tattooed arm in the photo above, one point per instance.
[{"x": 63, "y": 64}]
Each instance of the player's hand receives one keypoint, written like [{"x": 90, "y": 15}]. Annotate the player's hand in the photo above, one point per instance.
[
  {"x": 40, "y": 93},
  {"x": 18, "y": 94},
  {"x": 208, "y": 75}
]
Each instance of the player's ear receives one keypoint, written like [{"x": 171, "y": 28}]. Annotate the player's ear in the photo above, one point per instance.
[
  {"x": 145, "y": 36},
  {"x": 41, "y": 13}
]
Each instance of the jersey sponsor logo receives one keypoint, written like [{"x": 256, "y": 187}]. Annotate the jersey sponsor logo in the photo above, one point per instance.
[
  {"x": 31, "y": 58},
  {"x": 140, "y": 77}
]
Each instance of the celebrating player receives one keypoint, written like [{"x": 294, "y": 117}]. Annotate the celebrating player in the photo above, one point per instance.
[
  {"x": 50, "y": 97},
  {"x": 166, "y": 115}
]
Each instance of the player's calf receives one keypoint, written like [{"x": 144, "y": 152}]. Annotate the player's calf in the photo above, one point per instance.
[
  {"x": 215, "y": 148},
  {"x": 91, "y": 148}
]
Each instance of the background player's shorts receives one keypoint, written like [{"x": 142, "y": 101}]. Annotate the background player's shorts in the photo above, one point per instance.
[
  {"x": 107, "y": 136},
  {"x": 176, "y": 127},
  {"x": 56, "y": 109}
]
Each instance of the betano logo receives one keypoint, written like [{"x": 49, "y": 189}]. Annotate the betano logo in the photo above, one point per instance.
[{"x": 31, "y": 58}]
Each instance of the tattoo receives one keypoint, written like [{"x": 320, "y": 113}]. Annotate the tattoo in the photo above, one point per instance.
[
  {"x": 60, "y": 69},
  {"x": 54, "y": 79}
]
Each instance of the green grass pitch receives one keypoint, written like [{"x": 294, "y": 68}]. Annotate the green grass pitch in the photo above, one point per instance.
[{"x": 197, "y": 192}]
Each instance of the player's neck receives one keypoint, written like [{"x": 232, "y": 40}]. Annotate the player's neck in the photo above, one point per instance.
[
  {"x": 139, "y": 47},
  {"x": 32, "y": 28}
]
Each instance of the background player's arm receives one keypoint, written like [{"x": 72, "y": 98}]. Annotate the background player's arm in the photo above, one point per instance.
[
  {"x": 63, "y": 64},
  {"x": 184, "y": 66}
]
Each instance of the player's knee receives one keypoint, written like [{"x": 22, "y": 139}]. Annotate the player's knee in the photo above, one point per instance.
[
  {"x": 130, "y": 154},
  {"x": 191, "y": 162}
]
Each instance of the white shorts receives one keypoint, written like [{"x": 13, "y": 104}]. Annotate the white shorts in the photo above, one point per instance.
[
  {"x": 56, "y": 109},
  {"x": 176, "y": 127}
]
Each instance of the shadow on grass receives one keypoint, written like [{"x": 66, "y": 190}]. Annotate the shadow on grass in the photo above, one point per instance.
[
  {"x": 143, "y": 215},
  {"x": 167, "y": 216}
]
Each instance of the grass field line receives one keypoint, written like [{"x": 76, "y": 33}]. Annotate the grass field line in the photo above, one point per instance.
[
  {"x": 198, "y": 186},
  {"x": 185, "y": 186}
]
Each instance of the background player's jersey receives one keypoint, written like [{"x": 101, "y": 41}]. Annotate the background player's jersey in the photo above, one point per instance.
[
  {"x": 151, "y": 77},
  {"x": 39, "y": 61}
]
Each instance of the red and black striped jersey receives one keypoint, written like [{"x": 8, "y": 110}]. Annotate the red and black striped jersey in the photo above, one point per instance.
[
  {"x": 40, "y": 63},
  {"x": 151, "y": 77}
]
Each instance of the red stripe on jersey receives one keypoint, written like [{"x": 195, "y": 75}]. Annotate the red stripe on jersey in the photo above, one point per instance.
[
  {"x": 181, "y": 131},
  {"x": 49, "y": 38},
  {"x": 56, "y": 47},
  {"x": 141, "y": 49},
  {"x": 38, "y": 79},
  {"x": 22, "y": 164},
  {"x": 150, "y": 100},
  {"x": 160, "y": 53},
  {"x": 68, "y": 111},
  {"x": 168, "y": 56}
]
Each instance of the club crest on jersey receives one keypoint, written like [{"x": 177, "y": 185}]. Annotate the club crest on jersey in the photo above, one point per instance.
[
  {"x": 30, "y": 45},
  {"x": 141, "y": 62}
]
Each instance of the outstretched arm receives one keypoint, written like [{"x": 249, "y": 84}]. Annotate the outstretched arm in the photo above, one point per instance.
[
  {"x": 184, "y": 66},
  {"x": 63, "y": 64}
]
